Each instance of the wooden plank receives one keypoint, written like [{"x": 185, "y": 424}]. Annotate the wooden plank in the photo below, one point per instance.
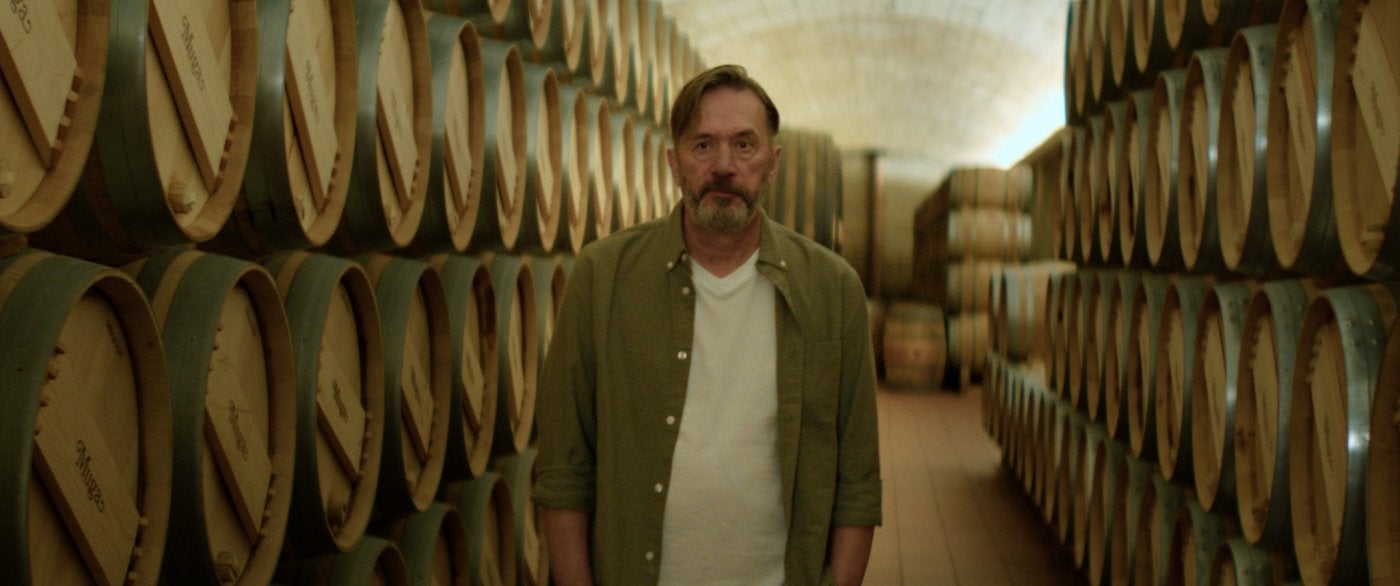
[
  {"x": 200, "y": 91},
  {"x": 1375, "y": 84},
  {"x": 340, "y": 411},
  {"x": 80, "y": 472},
  {"x": 457, "y": 130},
  {"x": 309, "y": 37},
  {"x": 395, "y": 103},
  {"x": 39, "y": 68},
  {"x": 1301, "y": 97},
  {"x": 236, "y": 437},
  {"x": 473, "y": 378},
  {"x": 415, "y": 382}
]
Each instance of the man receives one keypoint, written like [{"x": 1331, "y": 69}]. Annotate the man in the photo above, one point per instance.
[{"x": 707, "y": 409}]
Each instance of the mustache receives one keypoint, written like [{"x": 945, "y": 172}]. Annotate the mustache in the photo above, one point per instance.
[{"x": 727, "y": 187}]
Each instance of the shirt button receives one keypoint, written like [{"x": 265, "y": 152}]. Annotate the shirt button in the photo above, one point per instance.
[
  {"x": 685, "y": 290},
  {"x": 658, "y": 488},
  {"x": 670, "y": 420},
  {"x": 682, "y": 355},
  {"x": 650, "y": 556},
  {"x": 782, "y": 262},
  {"x": 670, "y": 265}
]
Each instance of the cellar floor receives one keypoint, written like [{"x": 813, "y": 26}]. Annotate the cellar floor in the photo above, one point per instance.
[{"x": 953, "y": 514}]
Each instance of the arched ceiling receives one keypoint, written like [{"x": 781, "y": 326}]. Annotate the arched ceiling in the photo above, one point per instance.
[{"x": 934, "y": 82}]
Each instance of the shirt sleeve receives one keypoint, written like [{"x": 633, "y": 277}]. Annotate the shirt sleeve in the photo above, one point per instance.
[
  {"x": 858, "y": 486},
  {"x": 565, "y": 413}
]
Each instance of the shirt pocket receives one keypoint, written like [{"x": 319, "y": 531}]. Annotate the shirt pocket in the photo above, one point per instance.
[{"x": 821, "y": 388}]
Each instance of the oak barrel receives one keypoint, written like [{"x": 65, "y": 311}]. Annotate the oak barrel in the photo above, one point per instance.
[
  {"x": 517, "y": 354},
  {"x": 487, "y": 510},
  {"x": 471, "y": 315},
  {"x": 1132, "y": 217},
  {"x": 87, "y": 477},
  {"x": 1383, "y": 469},
  {"x": 544, "y": 170},
  {"x": 336, "y": 339},
  {"x": 1176, "y": 376},
  {"x": 1216, "y": 361},
  {"x": 1198, "y": 220},
  {"x": 1113, "y": 175},
  {"x": 1144, "y": 361},
  {"x": 915, "y": 345},
  {"x": 434, "y": 546},
  {"x": 531, "y": 552},
  {"x": 600, "y": 167},
  {"x": 1196, "y": 535},
  {"x": 417, "y": 380},
  {"x": 1238, "y": 563},
  {"x": 1160, "y": 187},
  {"x": 575, "y": 211},
  {"x": 498, "y": 221},
  {"x": 458, "y": 138},
  {"x": 233, "y": 397},
  {"x": 1241, "y": 174},
  {"x": 1118, "y": 348},
  {"x": 624, "y": 150},
  {"x": 372, "y": 561}
]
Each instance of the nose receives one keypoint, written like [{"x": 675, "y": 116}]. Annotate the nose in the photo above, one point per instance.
[{"x": 723, "y": 163}]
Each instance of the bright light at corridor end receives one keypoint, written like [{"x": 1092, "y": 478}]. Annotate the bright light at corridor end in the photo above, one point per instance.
[{"x": 1039, "y": 125}]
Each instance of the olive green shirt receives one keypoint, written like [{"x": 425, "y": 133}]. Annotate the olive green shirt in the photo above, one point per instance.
[{"x": 614, "y": 384}]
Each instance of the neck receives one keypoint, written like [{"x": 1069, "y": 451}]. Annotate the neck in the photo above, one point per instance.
[{"x": 720, "y": 254}]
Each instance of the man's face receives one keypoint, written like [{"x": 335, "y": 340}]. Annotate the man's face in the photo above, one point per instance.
[{"x": 725, "y": 161}]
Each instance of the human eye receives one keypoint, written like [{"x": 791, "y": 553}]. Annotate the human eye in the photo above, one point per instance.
[{"x": 746, "y": 146}]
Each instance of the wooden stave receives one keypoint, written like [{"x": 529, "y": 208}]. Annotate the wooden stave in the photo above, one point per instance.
[
  {"x": 1170, "y": 501},
  {"x": 1086, "y": 192},
  {"x": 643, "y": 166},
  {"x": 52, "y": 285},
  {"x": 1132, "y": 479},
  {"x": 623, "y": 195},
  {"x": 1283, "y": 303},
  {"x": 483, "y": 504},
  {"x": 417, "y": 538},
  {"x": 305, "y": 295},
  {"x": 266, "y": 217},
  {"x": 1246, "y": 242},
  {"x": 49, "y": 196},
  {"x": 531, "y": 551},
  {"x": 575, "y": 211},
  {"x": 600, "y": 164},
  {"x": 1075, "y": 335},
  {"x": 119, "y": 210},
  {"x": 1185, "y": 23},
  {"x": 1160, "y": 190},
  {"x": 447, "y": 227},
  {"x": 1122, "y": 59},
  {"x": 621, "y": 36},
  {"x": 1318, "y": 249},
  {"x": 462, "y": 277},
  {"x": 1198, "y": 225},
  {"x": 1142, "y": 377},
  {"x": 1153, "y": 52},
  {"x": 639, "y": 56},
  {"x": 1095, "y": 361},
  {"x": 597, "y": 67},
  {"x": 1236, "y": 562},
  {"x": 1083, "y": 492},
  {"x": 1058, "y": 421},
  {"x": 1069, "y": 459},
  {"x": 539, "y": 226},
  {"x": 188, "y": 290},
  {"x": 1101, "y": 83},
  {"x": 1066, "y": 318},
  {"x": 512, "y": 279},
  {"x": 1109, "y": 462},
  {"x": 1175, "y": 391},
  {"x": 1132, "y": 221},
  {"x": 1354, "y": 218},
  {"x": 1195, "y": 538},
  {"x": 1213, "y": 456},
  {"x": 398, "y": 284},
  {"x": 498, "y": 227},
  {"x": 1114, "y": 172},
  {"x": 1382, "y": 530},
  {"x": 1363, "y": 316},
  {"x": 366, "y": 226},
  {"x": 1117, "y": 350}
]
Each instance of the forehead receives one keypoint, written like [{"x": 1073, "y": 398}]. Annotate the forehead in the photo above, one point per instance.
[{"x": 728, "y": 111}]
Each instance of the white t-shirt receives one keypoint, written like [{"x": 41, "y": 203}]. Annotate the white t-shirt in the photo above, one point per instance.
[{"x": 724, "y": 513}]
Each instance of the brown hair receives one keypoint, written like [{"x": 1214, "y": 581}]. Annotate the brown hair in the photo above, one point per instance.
[{"x": 726, "y": 76}]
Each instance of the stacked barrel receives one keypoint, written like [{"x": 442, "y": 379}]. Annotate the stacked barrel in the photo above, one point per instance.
[
  {"x": 1221, "y": 405},
  {"x": 274, "y": 308},
  {"x": 974, "y": 224}
]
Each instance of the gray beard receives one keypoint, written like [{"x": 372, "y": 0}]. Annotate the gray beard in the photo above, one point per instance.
[{"x": 725, "y": 220}]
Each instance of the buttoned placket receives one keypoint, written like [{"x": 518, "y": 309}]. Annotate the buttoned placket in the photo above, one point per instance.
[{"x": 682, "y": 313}]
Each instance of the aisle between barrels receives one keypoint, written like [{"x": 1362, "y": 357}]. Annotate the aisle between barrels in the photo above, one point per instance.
[{"x": 953, "y": 514}]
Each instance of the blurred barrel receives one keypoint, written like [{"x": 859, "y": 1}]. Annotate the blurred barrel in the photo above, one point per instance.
[
  {"x": 1078, "y": 328},
  {"x": 1144, "y": 335},
  {"x": 549, "y": 277},
  {"x": 1122, "y": 60},
  {"x": 1269, "y": 346},
  {"x": 1198, "y": 221},
  {"x": 487, "y": 512},
  {"x": 643, "y": 167},
  {"x": 1160, "y": 188},
  {"x": 970, "y": 284},
  {"x": 1114, "y": 175},
  {"x": 1237, "y": 563},
  {"x": 1081, "y": 478},
  {"x": 597, "y": 69},
  {"x": 984, "y": 187},
  {"x": 417, "y": 380},
  {"x": 49, "y": 115},
  {"x": 1301, "y": 218},
  {"x": 336, "y": 339},
  {"x": 531, "y": 555},
  {"x": 1109, "y": 463},
  {"x": 393, "y": 138},
  {"x": 624, "y": 150},
  {"x": 622, "y": 32},
  {"x": 1216, "y": 364},
  {"x": 498, "y": 221},
  {"x": 233, "y": 398},
  {"x": 1242, "y": 177},
  {"x": 1128, "y": 560},
  {"x": 294, "y": 188},
  {"x": 1339, "y": 354},
  {"x": 517, "y": 353},
  {"x": 471, "y": 316},
  {"x": 1151, "y": 49},
  {"x": 168, "y": 158},
  {"x": 544, "y": 182},
  {"x": 1132, "y": 217},
  {"x": 1365, "y": 154},
  {"x": 1067, "y": 333},
  {"x": 992, "y": 234},
  {"x": 1118, "y": 348},
  {"x": 459, "y": 137},
  {"x": 1092, "y": 337},
  {"x": 86, "y": 384},
  {"x": 372, "y": 561},
  {"x": 1055, "y": 312},
  {"x": 968, "y": 343},
  {"x": 434, "y": 546},
  {"x": 1176, "y": 376},
  {"x": 1383, "y": 469},
  {"x": 1022, "y": 324},
  {"x": 600, "y": 167},
  {"x": 1195, "y": 537},
  {"x": 915, "y": 345},
  {"x": 1171, "y": 501},
  {"x": 1094, "y": 175},
  {"x": 575, "y": 212}
]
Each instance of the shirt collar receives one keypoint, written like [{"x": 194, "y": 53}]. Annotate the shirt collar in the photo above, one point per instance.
[{"x": 770, "y": 249}]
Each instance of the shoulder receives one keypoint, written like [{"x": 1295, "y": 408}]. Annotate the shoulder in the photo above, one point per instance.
[{"x": 809, "y": 260}]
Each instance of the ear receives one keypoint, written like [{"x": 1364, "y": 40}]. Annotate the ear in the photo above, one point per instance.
[
  {"x": 671, "y": 160},
  {"x": 777, "y": 158}
]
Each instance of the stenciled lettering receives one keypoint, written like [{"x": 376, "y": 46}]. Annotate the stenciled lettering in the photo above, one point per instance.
[
  {"x": 238, "y": 439},
  {"x": 20, "y": 8},
  {"x": 84, "y": 464},
  {"x": 187, "y": 38}
]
